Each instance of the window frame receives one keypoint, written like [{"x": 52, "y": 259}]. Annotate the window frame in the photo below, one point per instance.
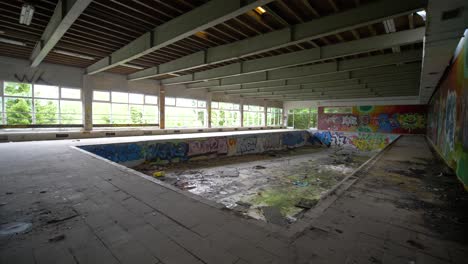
[{"x": 33, "y": 98}]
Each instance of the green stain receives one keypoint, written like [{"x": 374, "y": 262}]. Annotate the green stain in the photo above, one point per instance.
[
  {"x": 365, "y": 108},
  {"x": 462, "y": 168}
]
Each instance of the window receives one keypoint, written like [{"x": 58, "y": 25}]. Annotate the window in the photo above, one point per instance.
[
  {"x": 124, "y": 108},
  {"x": 338, "y": 110},
  {"x": 225, "y": 114},
  {"x": 302, "y": 118},
  {"x": 183, "y": 112},
  {"x": 28, "y": 104},
  {"x": 253, "y": 115},
  {"x": 274, "y": 116}
]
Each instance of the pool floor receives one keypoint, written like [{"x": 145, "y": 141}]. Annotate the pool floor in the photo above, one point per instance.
[{"x": 276, "y": 187}]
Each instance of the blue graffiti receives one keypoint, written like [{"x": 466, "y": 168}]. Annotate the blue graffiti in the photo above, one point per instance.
[
  {"x": 292, "y": 139},
  {"x": 117, "y": 152},
  {"x": 325, "y": 137},
  {"x": 167, "y": 151},
  {"x": 388, "y": 123}
]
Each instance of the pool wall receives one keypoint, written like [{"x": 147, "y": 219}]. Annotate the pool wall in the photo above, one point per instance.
[{"x": 177, "y": 150}]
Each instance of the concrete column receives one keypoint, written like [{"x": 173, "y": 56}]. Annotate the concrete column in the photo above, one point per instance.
[
  {"x": 241, "y": 106},
  {"x": 208, "y": 109},
  {"x": 265, "y": 112},
  {"x": 87, "y": 96},
  {"x": 162, "y": 107}
]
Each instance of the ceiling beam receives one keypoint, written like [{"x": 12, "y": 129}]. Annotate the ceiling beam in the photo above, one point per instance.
[
  {"x": 402, "y": 90},
  {"x": 304, "y": 56},
  {"x": 65, "y": 14},
  {"x": 208, "y": 15},
  {"x": 387, "y": 86},
  {"x": 329, "y": 79},
  {"x": 321, "y": 72},
  {"x": 414, "y": 76},
  {"x": 367, "y": 14}
]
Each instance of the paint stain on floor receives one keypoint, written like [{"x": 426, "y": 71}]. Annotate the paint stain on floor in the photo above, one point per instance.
[{"x": 276, "y": 187}]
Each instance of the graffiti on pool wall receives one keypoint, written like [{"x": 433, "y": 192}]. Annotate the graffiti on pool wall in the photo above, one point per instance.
[
  {"x": 370, "y": 141},
  {"x": 207, "y": 146},
  {"x": 167, "y": 151},
  {"x": 292, "y": 139},
  {"x": 385, "y": 119},
  {"x": 271, "y": 142},
  {"x": 361, "y": 141},
  {"x": 117, "y": 152},
  {"x": 448, "y": 118},
  {"x": 246, "y": 145}
]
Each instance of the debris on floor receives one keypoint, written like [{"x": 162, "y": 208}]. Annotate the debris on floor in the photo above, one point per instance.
[{"x": 276, "y": 186}]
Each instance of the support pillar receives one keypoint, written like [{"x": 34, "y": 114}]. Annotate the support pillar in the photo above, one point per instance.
[
  {"x": 162, "y": 107},
  {"x": 87, "y": 96},
  {"x": 265, "y": 112},
  {"x": 241, "y": 106},
  {"x": 208, "y": 109}
]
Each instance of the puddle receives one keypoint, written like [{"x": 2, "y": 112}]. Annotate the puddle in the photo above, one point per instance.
[
  {"x": 275, "y": 187},
  {"x": 14, "y": 228}
]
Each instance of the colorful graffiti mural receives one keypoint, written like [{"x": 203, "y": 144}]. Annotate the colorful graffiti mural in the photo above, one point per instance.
[
  {"x": 359, "y": 140},
  {"x": 448, "y": 115},
  {"x": 180, "y": 150},
  {"x": 402, "y": 119}
]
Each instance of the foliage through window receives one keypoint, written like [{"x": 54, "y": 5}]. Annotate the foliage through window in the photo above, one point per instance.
[
  {"x": 183, "y": 112},
  {"x": 302, "y": 118},
  {"x": 253, "y": 115},
  {"x": 338, "y": 110},
  {"x": 274, "y": 116},
  {"x": 225, "y": 114},
  {"x": 124, "y": 108},
  {"x": 28, "y": 104}
]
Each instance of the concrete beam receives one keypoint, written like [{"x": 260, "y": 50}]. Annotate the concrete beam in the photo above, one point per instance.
[
  {"x": 65, "y": 14},
  {"x": 294, "y": 83},
  {"x": 388, "y": 86},
  {"x": 375, "y": 65},
  {"x": 358, "y": 17},
  {"x": 358, "y": 93},
  {"x": 199, "y": 19},
  {"x": 305, "y": 56}
]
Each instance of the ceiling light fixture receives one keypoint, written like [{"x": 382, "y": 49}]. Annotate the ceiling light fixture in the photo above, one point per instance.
[
  {"x": 13, "y": 42},
  {"x": 72, "y": 54},
  {"x": 422, "y": 14},
  {"x": 260, "y": 10},
  {"x": 27, "y": 12},
  {"x": 132, "y": 66}
]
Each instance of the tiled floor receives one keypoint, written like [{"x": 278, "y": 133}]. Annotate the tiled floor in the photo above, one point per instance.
[{"x": 84, "y": 210}]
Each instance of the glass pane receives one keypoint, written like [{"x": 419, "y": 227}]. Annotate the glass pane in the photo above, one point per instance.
[
  {"x": 1, "y": 110},
  {"x": 214, "y": 104},
  {"x": 235, "y": 106},
  {"x": 201, "y": 104},
  {"x": 71, "y": 112},
  {"x": 150, "y": 99},
  {"x": 18, "y": 89},
  {"x": 101, "y": 113},
  {"x": 18, "y": 111},
  {"x": 46, "y": 111},
  {"x": 136, "y": 114},
  {"x": 71, "y": 93},
  {"x": 101, "y": 96},
  {"x": 118, "y": 97},
  {"x": 170, "y": 101},
  {"x": 186, "y": 102},
  {"x": 246, "y": 107},
  {"x": 150, "y": 114},
  {"x": 120, "y": 114},
  {"x": 135, "y": 98},
  {"x": 46, "y": 91}
]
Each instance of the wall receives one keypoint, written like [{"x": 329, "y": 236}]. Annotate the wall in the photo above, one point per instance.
[
  {"x": 186, "y": 149},
  {"x": 448, "y": 115},
  {"x": 358, "y": 140},
  {"x": 402, "y": 119}
]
